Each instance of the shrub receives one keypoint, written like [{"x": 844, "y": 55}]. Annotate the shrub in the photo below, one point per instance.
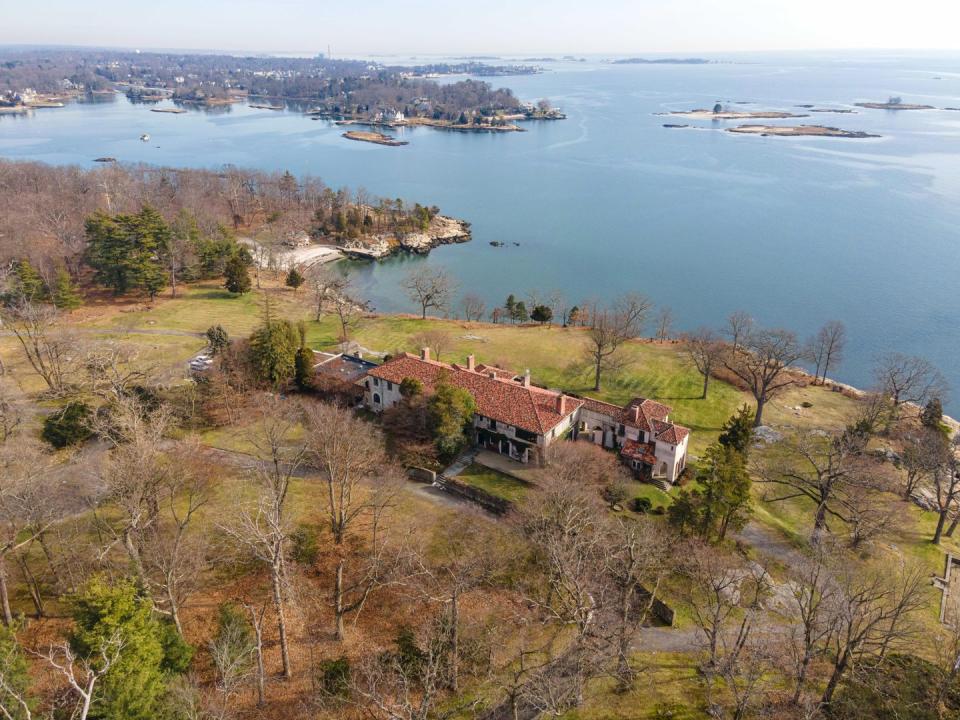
[
  {"x": 306, "y": 547},
  {"x": 334, "y": 677},
  {"x": 641, "y": 505},
  {"x": 68, "y": 426},
  {"x": 615, "y": 493}
]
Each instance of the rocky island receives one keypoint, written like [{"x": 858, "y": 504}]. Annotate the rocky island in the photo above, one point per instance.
[
  {"x": 893, "y": 104},
  {"x": 715, "y": 114},
  {"x": 376, "y": 138},
  {"x": 799, "y": 131}
]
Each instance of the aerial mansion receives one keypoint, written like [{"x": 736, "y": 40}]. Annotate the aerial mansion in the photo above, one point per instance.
[{"x": 521, "y": 420}]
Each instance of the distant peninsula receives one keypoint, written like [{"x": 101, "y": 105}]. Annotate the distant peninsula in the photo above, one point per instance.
[
  {"x": 662, "y": 61},
  {"x": 799, "y": 131}
]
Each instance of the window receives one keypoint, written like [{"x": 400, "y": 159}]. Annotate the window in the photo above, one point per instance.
[
  {"x": 376, "y": 381},
  {"x": 376, "y": 398},
  {"x": 621, "y": 430},
  {"x": 389, "y": 385}
]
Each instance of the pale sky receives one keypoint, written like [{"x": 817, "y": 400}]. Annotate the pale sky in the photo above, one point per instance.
[{"x": 486, "y": 26}]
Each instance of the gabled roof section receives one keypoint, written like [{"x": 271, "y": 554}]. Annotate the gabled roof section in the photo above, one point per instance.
[{"x": 499, "y": 397}]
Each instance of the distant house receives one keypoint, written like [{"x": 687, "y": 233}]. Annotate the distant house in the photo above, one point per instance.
[
  {"x": 521, "y": 420},
  {"x": 297, "y": 239}
]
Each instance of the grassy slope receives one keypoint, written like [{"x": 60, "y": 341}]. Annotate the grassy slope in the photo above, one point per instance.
[{"x": 554, "y": 358}]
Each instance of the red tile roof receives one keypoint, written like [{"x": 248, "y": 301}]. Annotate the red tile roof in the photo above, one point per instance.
[
  {"x": 644, "y": 414},
  {"x": 644, "y": 452},
  {"x": 500, "y": 398}
]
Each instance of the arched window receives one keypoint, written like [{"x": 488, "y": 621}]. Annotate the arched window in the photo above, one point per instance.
[
  {"x": 376, "y": 398},
  {"x": 663, "y": 469}
]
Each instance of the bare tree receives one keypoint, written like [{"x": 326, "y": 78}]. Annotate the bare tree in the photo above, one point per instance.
[
  {"x": 822, "y": 469},
  {"x": 429, "y": 288},
  {"x": 664, "y": 323},
  {"x": 725, "y": 598},
  {"x": 705, "y": 350},
  {"x": 873, "y": 613},
  {"x": 263, "y": 528},
  {"x": 334, "y": 293},
  {"x": 825, "y": 349},
  {"x": 360, "y": 486},
  {"x": 812, "y": 595},
  {"x": 945, "y": 486},
  {"x": 83, "y": 673},
  {"x": 908, "y": 379},
  {"x": 610, "y": 328},
  {"x": 48, "y": 347},
  {"x": 923, "y": 452},
  {"x": 760, "y": 358},
  {"x": 636, "y": 562},
  {"x": 435, "y": 339},
  {"x": 474, "y": 308}
]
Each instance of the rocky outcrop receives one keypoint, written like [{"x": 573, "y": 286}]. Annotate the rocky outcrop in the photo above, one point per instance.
[{"x": 443, "y": 230}]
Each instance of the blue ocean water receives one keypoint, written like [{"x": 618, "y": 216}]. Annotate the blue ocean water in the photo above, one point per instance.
[{"x": 796, "y": 231}]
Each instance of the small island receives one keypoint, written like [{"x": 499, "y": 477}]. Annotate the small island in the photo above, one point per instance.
[
  {"x": 893, "y": 103},
  {"x": 718, "y": 113},
  {"x": 662, "y": 61},
  {"x": 171, "y": 111},
  {"x": 799, "y": 131},
  {"x": 374, "y": 137}
]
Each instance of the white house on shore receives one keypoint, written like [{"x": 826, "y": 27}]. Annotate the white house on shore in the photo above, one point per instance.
[{"x": 521, "y": 420}]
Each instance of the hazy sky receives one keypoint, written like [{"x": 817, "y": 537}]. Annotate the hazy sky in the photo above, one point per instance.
[{"x": 489, "y": 26}]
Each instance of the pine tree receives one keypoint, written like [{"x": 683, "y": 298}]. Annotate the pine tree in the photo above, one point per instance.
[
  {"x": 65, "y": 293},
  {"x": 273, "y": 350},
  {"x": 511, "y": 307},
  {"x": 236, "y": 276},
  {"x": 29, "y": 284},
  {"x": 738, "y": 431},
  {"x": 520, "y": 312},
  {"x": 295, "y": 279},
  {"x": 932, "y": 414},
  {"x": 303, "y": 363},
  {"x": 542, "y": 314},
  {"x": 126, "y": 250},
  {"x": 103, "y": 612}
]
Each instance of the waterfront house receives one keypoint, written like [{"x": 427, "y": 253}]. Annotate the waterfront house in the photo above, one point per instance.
[{"x": 521, "y": 420}]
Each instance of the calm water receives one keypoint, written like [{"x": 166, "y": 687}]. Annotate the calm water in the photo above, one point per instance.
[{"x": 796, "y": 231}]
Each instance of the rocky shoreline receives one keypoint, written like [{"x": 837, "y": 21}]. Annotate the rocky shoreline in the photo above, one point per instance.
[
  {"x": 799, "y": 131},
  {"x": 376, "y": 138},
  {"x": 443, "y": 230}
]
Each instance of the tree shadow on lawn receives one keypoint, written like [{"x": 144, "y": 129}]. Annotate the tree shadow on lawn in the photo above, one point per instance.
[{"x": 215, "y": 294}]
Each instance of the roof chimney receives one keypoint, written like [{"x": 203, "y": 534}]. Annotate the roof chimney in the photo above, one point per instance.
[
  {"x": 425, "y": 353},
  {"x": 635, "y": 413},
  {"x": 471, "y": 363},
  {"x": 526, "y": 378},
  {"x": 561, "y": 405}
]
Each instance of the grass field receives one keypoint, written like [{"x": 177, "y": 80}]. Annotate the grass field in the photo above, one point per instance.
[{"x": 495, "y": 483}]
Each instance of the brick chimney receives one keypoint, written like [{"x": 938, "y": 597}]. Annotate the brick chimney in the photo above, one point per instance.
[
  {"x": 425, "y": 353},
  {"x": 526, "y": 378},
  {"x": 561, "y": 405},
  {"x": 471, "y": 363},
  {"x": 635, "y": 413}
]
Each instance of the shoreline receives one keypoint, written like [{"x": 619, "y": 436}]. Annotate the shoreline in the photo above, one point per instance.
[
  {"x": 376, "y": 138},
  {"x": 799, "y": 131}
]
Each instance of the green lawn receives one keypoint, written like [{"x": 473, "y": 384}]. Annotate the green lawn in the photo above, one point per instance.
[{"x": 494, "y": 482}]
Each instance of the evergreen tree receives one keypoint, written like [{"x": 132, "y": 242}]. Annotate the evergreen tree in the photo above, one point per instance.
[
  {"x": 273, "y": 351},
  {"x": 738, "y": 431},
  {"x": 295, "y": 279},
  {"x": 218, "y": 339},
  {"x": 450, "y": 411},
  {"x": 932, "y": 414},
  {"x": 15, "y": 698},
  {"x": 511, "y": 307},
  {"x": 520, "y": 312},
  {"x": 236, "y": 275},
  {"x": 105, "y": 612},
  {"x": 126, "y": 250},
  {"x": 722, "y": 499},
  {"x": 29, "y": 284},
  {"x": 573, "y": 317},
  {"x": 303, "y": 362},
  {"x": 542, "y": 314},
  {"x": 65, "y": 293}
]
